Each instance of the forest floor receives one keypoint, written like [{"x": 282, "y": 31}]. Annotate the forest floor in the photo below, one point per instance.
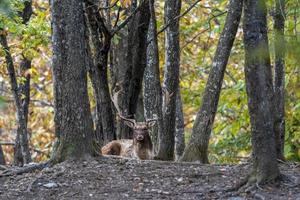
[{"x": 115, "y": 178}]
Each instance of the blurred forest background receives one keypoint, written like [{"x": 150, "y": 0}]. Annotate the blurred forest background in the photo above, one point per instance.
[{"x": 200, "y": 29}]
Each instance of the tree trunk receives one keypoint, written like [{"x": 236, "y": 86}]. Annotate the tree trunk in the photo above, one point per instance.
[
  {"x": 131, "y": 82},
  {"x": 179, "y": 127},
  {"x": 21, "y": 94},
  {"x": 73, "y": 121},
  {"x": 22, "y": 153},
  {"x": 118, "y": 68},
  {"x": 171, "y": 80},
  {"x": 152, "y": 88},
  {"x": 2, "y": 159},
  {"x": 100, "y": 40},
  {"x": 259, "y": 90},
  {"x": 197, "y": 149},
  {"x": 279, "y": 82}
]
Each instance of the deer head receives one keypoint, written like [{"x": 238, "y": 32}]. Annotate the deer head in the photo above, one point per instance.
[{"x": 140, "y": 129}]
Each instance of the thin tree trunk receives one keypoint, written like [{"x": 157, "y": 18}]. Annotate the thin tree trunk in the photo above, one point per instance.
[
  {"x": 152, "y": 87},
  {"x": 131, "y": 83},
  {"x": 2, "y": 159},
  {"x": 259, "y": 90},
  {"x": 119, "y": 67},
  {"x": 171, "y": 80},
  {"x": 197, "y": 149},
  {"x": 21, "y": 94},
  {"x": 73, "y": 121},
  {"x": 105, "y": 129},
  {"x": 94, "y": 76},
  {"x": 279, "y": 82},
  {"x": 179, "y": 127},
  {"x": 22, "y": 155}
]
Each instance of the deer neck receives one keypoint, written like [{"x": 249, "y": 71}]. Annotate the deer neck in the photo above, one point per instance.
[{"x": 143, "y": 149}]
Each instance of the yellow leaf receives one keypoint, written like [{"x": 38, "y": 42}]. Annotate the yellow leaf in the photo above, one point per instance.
[{"x": 125, "y": 3}]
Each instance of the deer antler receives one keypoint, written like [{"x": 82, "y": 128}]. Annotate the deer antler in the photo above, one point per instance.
[{"x": 114, "y": 99}]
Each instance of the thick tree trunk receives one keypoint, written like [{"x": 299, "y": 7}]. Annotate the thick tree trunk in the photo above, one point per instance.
[
  {"x": 179, "y": 127},
  {"x": 279, "y": 82},
  {"x": 259, "y": 90},
  {"x": 131, "y": 81},
  {"x": 197, "y": 149},
  {"x": 100, "y": 40},
  {"x": 152, "y": 88},
  {"x": 73, "y": 121},
  {"x": 171, "y": 80}
]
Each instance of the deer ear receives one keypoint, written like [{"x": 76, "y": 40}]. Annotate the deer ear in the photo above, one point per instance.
[
  {"x": 151, "y": 123},
  {"x": 130, "y": 124}
]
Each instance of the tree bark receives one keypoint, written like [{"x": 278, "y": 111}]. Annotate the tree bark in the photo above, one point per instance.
[
  {"x": 152, "y": 88},
  {"x": 197, "y": 149},
  {"x": 179, "y": 127},
  {"x": 259, "y": 90},
  {"x": 171, "y": 80},
  {"x": 73, "y": 121},
  {"x": 22, "y": 154},
  {"x": 2, "y": 159},
  {"x": 21, "y": 94},
  {"x": 101, "y": 41},
  {"x": 131, "y": 81},
  {"x": 279, "y": 79}
]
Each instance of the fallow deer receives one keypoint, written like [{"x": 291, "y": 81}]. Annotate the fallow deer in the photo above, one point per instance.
[{"x": 140, "y": 146}]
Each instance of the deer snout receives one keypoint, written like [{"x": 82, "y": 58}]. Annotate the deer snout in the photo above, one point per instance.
[{"x": 139, "y": 137}]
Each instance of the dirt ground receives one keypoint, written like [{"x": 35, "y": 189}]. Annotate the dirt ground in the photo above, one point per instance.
[{"x": 115, "y": 178}]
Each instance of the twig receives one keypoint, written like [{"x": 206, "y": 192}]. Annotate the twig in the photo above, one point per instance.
[
  {"x": 191, "y": 40},
  {"x": 230, "y": 76},
  {"x": 258, "y": 186},
  {"x": 178, "y": 17},
  {"x": 118, "y": 17}
]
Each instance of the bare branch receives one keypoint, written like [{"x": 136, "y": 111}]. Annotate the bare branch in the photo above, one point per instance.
[
  {"x": 193, "y": 38},
  {"x": 125, "y": 22},
  {"x": 118, "y": 17},
  {"x": 178, "y": 17}
]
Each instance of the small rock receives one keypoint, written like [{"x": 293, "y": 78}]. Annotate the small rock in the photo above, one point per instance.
[
  {"x": 50, "y": 185},
  {"x": 236, "y": 198},
  {"x": 179, "y": 179}
]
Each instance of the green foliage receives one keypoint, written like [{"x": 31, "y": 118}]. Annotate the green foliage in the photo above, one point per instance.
[
  {"x": 5, "y": 7},
  {"x": 2, "y": 102}
]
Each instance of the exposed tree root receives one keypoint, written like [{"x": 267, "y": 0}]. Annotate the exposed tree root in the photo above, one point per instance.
[
  {"x": 3, "y": 167},
  {"x": 26, "y": 169}
]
